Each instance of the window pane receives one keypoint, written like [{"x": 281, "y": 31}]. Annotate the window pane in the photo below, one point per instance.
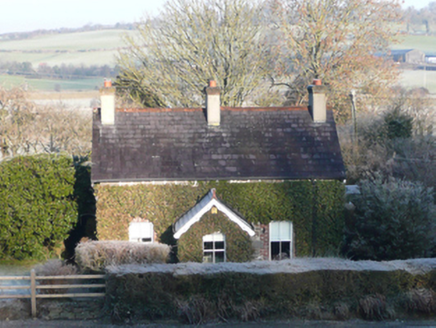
[
  {"x": 285, "y": 231},
  {"x": 219, "y": 257},
  {"x": 274, "y": 230},
  {"x": 214, "y": 248},
  {"x": 280, "y": 230},
  {"x": 207, "y": 257},
  {"x": 208, "y": 245},
  {"x": 286, "y": 250},
  {"x": 219, "y": 245},
  {"x": 141, "y": 230},
  {"x": 214, "y": 237},
  {"x": 275, "y": 249}
]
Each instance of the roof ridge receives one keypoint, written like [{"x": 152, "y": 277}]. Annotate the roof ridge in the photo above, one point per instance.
[{"x": 223, "y": 108}]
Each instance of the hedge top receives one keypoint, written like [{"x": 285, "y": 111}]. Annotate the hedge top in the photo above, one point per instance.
[{"x": 297, "y": 265}]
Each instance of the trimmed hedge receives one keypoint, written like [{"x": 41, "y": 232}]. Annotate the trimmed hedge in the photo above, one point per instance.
[
  {"x": 302, "y": 202},
  {"x": 95, "y": 256},
  {"x": 333, "y": 293}
]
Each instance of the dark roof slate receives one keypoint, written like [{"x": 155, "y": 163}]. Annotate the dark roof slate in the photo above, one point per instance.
[{"x": 250, "y": 144}]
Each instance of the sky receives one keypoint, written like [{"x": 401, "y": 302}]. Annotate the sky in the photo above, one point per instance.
[{"x": 29, "y": 15}]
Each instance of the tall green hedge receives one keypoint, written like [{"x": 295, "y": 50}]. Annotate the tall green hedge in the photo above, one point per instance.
[
  {"x": 38, "y": 204},
  {"x": 302, "y": 202}
]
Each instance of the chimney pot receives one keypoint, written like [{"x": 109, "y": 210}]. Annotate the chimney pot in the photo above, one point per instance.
[
  {"x": 212, "y": 83},
  {"x": 107, "y": 83},
  {"x": 317, "y": 82}
]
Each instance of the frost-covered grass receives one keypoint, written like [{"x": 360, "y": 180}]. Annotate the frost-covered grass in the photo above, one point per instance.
[
  {"x": 413, "y": 266},
  {"x": 97, "y": 255}
]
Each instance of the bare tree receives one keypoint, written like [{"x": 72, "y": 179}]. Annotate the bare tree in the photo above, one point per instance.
[
  {"x": 15, "y": 114},
  {"x": 338, "y": 41},
  {"x": 26, "y": 128},
  {"x": 191, "y": 41}
]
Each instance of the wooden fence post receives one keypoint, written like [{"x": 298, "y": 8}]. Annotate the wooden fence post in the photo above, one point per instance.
[{"x": 33, "y": 292}]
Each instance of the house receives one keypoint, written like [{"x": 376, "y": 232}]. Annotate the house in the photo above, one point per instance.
[
  {"x": 408, "y": 56},
  {"x": 220, "y": 183},
  {"x": 430, "y": 58}
]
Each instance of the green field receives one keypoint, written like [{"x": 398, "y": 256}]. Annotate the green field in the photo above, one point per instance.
[
  {"x": 88, "y": 48},
  {"x": 103, "y": 57},
  {"x": 9, "y": 81},
  {"x": 421, "y": 42},
  {"x": 99, "y": 40}
]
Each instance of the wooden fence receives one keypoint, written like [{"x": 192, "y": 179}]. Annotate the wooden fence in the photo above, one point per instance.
[{"x": 33, "y": 287}]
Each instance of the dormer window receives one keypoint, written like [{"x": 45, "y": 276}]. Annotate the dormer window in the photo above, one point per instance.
[
  {"x": 141, "y": 232},
  {"x": 214, "y": 248}
]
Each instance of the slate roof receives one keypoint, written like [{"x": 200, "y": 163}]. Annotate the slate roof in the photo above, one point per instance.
[
  {"x": 400, "y": 51},
  {"x": 250, "y": 144}
]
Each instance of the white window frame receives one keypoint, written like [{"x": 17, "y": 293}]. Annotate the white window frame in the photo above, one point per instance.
[
  {"x": 138, "y": 231},
  {"x": 215, "y": 237},
  {"x": 289, "y": 238}
]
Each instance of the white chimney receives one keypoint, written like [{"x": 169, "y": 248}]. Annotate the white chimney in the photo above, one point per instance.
[
  {"x": 317, "y": 101},
  {"x": 107, "y": 100},
  {"x": 213, "y": 110}
]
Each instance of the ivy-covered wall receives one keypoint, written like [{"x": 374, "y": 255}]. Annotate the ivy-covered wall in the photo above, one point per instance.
[{"x": 314, "y": 207}]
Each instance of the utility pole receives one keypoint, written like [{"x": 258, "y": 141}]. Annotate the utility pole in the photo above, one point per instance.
[{"x": 353, "y": 114}]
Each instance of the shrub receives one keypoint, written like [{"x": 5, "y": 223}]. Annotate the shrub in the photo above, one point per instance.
[
  {"x": 396, "y": 140},
  {"x": 55, "y": 268},
  {"x": 97, "y": 255},
  {"x": 38, "y": 206},
  {"x": 398, "y": 124},
  {"x": 420, "y": 300},
  {"x": 373, "y": 307},
  {"x": 196, "y": 310},
  {"x": 394, "y": 219}
]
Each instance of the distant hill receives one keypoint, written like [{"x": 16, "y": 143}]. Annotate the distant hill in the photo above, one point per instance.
[
  {"x": 56, "y": 48},
  {"x": 64, "y": 30},
  {"x": 88, "y": 48}
]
